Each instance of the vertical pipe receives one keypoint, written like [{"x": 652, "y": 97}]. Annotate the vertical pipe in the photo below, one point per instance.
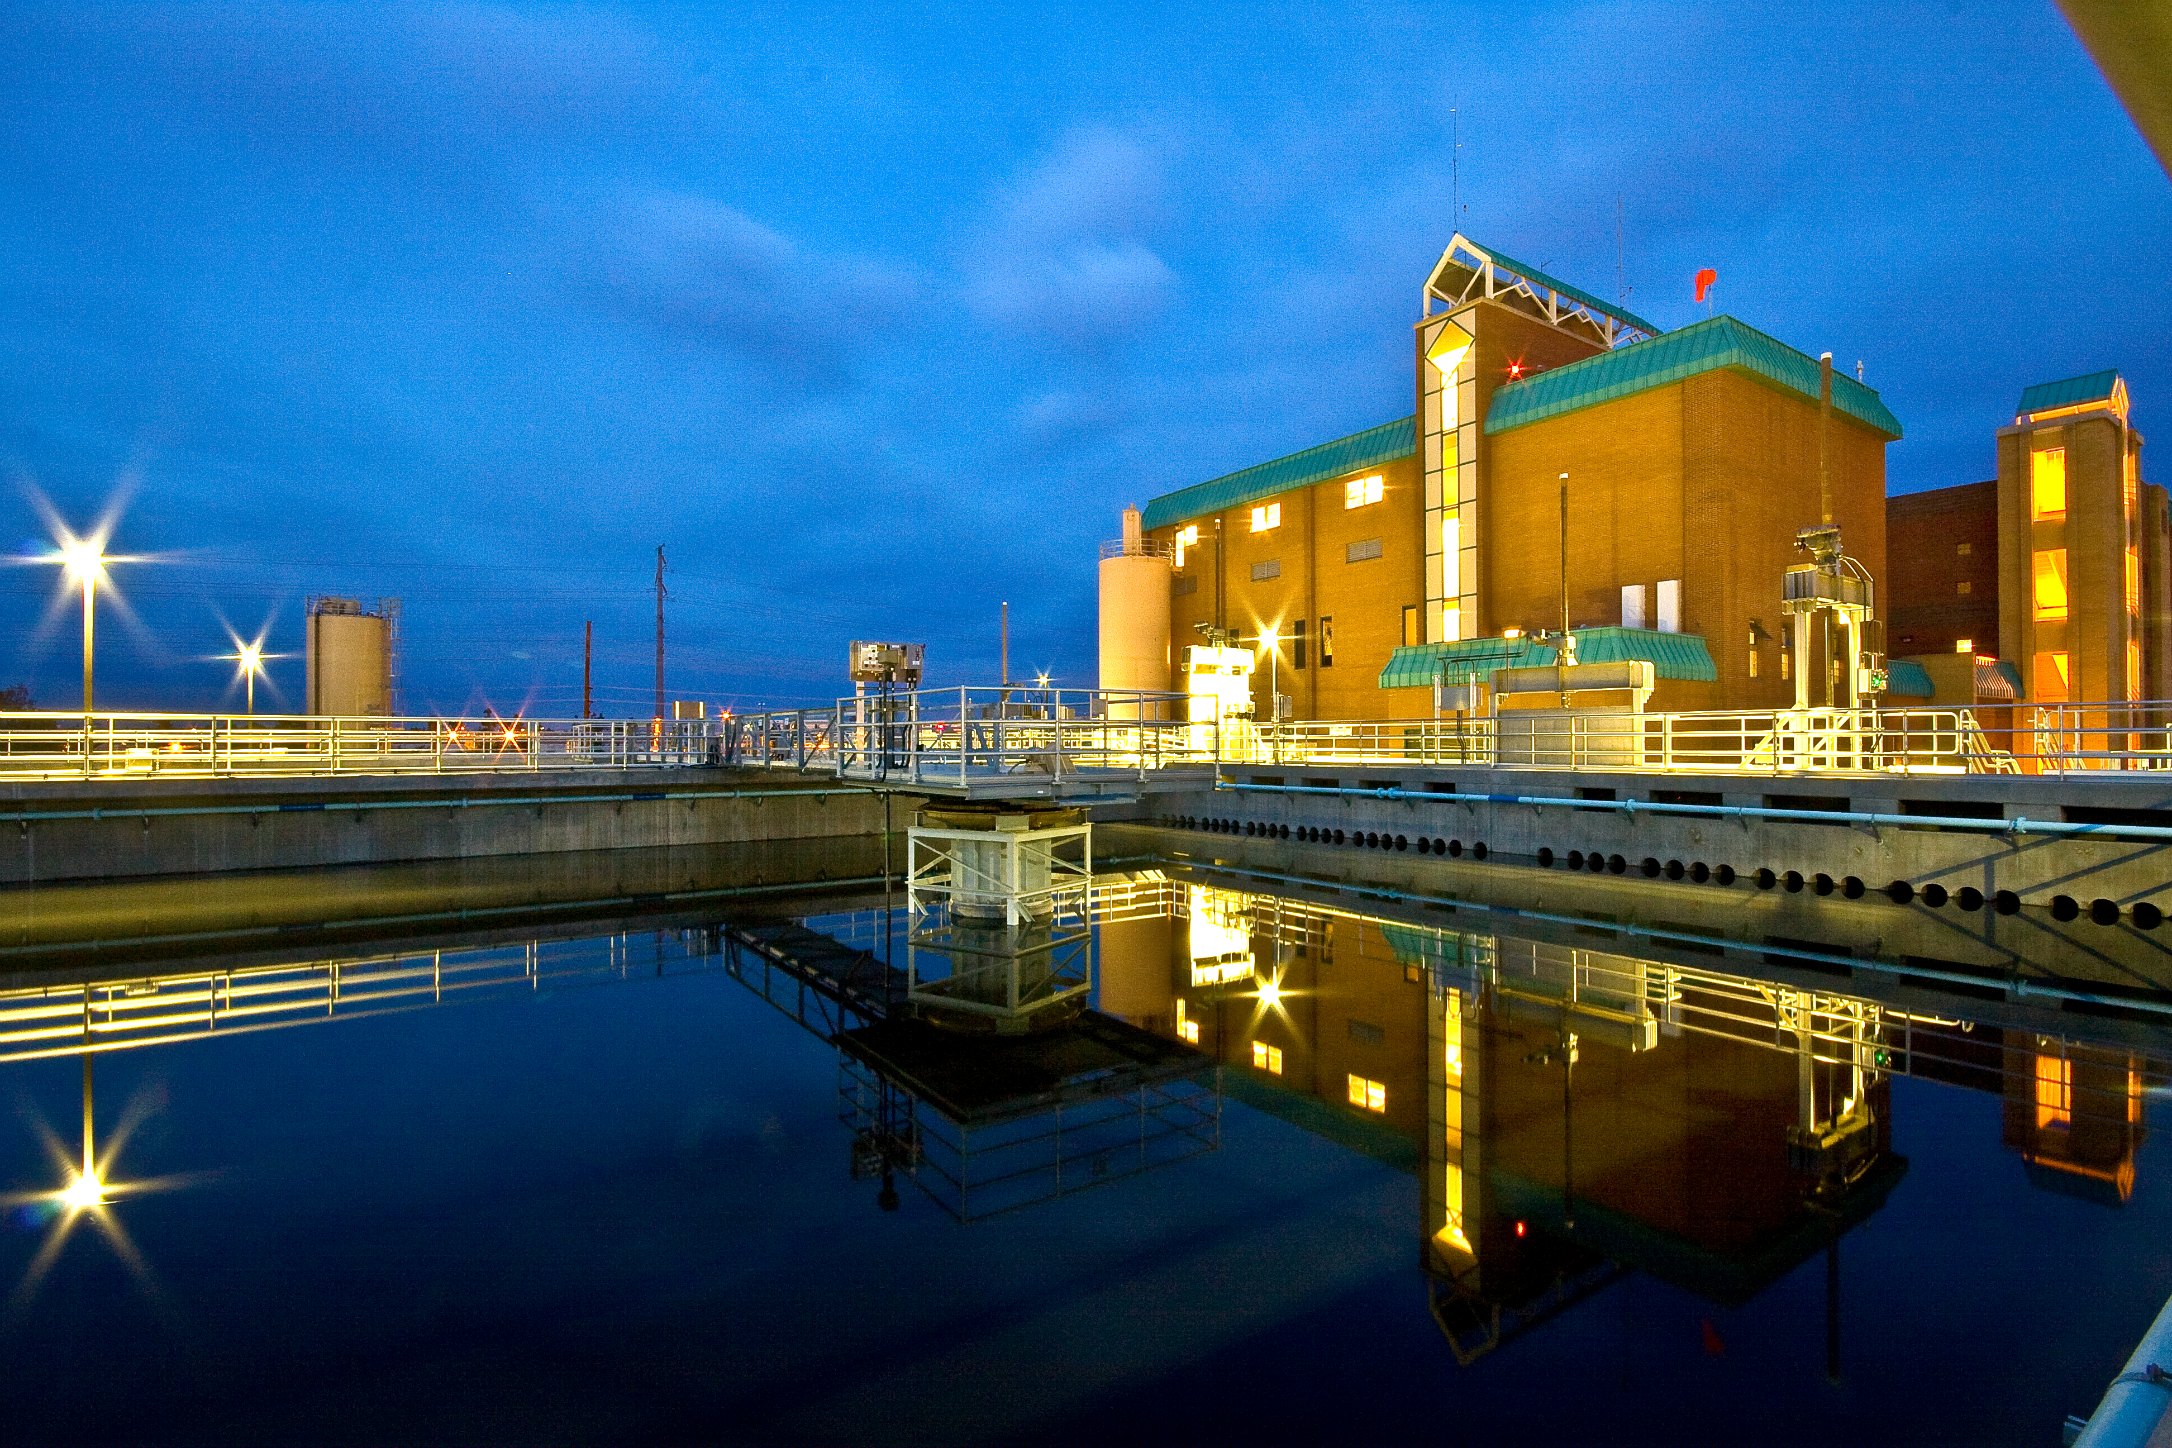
[
  {"x": 1825, "y": 428},
  {"x": 90, "y": 589},
  {"x": 588, "y": 660},
  {"x": 659, "y": 634},
  {"x": 1003, "y": 646}
]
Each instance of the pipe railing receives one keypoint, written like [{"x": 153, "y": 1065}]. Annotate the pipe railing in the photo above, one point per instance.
[
  {"x": 37, "y": 746},
  {"x": 960, "y": 737},
  {"x": 2049, "y": 740}
]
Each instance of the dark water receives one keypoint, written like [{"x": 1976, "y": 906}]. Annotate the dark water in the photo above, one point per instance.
[{"x": 566, "y": 1182}]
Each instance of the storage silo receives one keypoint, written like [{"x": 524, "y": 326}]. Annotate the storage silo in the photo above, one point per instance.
[
  {"x": 1135, "y": 581},
  {"x": 350, "y": 656}
]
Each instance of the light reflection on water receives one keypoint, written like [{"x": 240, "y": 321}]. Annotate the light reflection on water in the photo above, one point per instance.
[{"x": 622, "y": 1172}]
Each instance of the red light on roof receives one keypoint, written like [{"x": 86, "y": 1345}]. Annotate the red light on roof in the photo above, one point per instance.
[
  {"x": 1515, "y": 369},
  {"x": 1519, "y": 1229}
]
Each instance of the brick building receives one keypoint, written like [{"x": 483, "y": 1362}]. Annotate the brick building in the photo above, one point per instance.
[
  {"x": 1431, "y": 548},
  {"x": 2054, "y": 575}
]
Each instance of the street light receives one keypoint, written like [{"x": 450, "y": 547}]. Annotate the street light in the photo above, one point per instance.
[
  {"x": 249, "y": 659},
  {"x": 84, "y": 560}
]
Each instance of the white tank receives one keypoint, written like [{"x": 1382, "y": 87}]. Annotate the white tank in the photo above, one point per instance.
[
  {"x": 349, "y": 655},
  {"x": 1134, "y": 616}
]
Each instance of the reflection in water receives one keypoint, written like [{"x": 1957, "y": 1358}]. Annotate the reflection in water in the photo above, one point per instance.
[
  {"x": 1573, "y": 1106},
  {"x": 1573, "y": 1111}
]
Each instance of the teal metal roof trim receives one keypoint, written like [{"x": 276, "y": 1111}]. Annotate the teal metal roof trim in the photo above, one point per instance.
[
  {"x": 1908, "y": 679},
  {"x": 1416, "y": 666},
  {"x": 1532, "y": 273},
  {"x": 1673, "y": 655},
  {"x": 2072, "y": 392},
  {"x": 1345, "y": 455},
  {"x": 1671, "y": 357}
]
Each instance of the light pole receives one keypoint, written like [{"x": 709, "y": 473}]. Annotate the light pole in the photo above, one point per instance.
[
  {"x": 85, "y": 561},
  {"x": 251, "y": 659},
  {"x": 1272, "y": 638}
]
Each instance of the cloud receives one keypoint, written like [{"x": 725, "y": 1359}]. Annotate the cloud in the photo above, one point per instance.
[
  {"x": 1065, "y": 256},
  {"x": 700, "y": 270}
]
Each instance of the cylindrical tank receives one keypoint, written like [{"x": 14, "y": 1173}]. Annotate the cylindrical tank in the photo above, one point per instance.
[
  {"x": 349, "y": 659},
  {"x": 1134, "y": 618}
]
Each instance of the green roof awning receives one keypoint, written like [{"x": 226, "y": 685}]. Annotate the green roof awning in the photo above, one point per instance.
[
  {"x": 2008, "y": 674},
  {"x": 1707, "y": 346},
  {"x": 2072, "y": 392},
  {"x": 1416, "y": 945},
  {"x": 1327, "y": 461},
  {"x": 1672, "y": 655},
  {"x": 1416, "y": 666},
  {"x": 1908, "y": 679}
]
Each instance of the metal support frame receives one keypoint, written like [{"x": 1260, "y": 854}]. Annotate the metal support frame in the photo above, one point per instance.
[{"x": 999, "y": 921}]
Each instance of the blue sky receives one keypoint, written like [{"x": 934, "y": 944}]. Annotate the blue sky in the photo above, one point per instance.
[{"x": 876, "y": 317}]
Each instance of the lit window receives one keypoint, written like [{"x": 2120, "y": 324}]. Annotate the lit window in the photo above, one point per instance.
[
  {"x": 1632, "y": 605},
  {"x": 1964, "y": 549},
  {"x": 1964, "y": 646},
  {"x": 1327, "y": 641},
  {"x": 2047, "y": 482},
  {"x": 1359, "y": 491},
  {"x": 2051, "y": 583},
  {"x": 1964, "y": 587},
  {"x": 1187, "y": 537},
  {"x": 1265, "y": 516},
  {"x": 1370, "y": 1095},
  {"x": 1410, "y": 623},
  {"x": 1188, "y": 1031},
  {"x": 2134, "y": 581},
  {"x": 2054, "y": 1091},
  {"x": 1266, "y": 1058},
  {"x": 2134, "y": 669},
  {"x": 2052, "y": 683}
]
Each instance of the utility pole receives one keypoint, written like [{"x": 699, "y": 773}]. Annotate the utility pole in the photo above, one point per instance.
[
  {"x": 1004, "y": 647},
  {"x": 588, "y": 665},
  {"x": 659, "y": 632}
]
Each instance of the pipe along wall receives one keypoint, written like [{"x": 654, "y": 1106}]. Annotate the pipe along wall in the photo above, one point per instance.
[{"x": 2111, "y": 873}]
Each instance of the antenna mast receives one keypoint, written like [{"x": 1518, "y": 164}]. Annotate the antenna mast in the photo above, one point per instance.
[
  {"x": 1455, "y": 165},
  {"x": 659, "y": 631}
]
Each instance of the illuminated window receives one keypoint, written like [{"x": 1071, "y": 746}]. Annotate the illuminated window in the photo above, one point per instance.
[
  {"x": 2054, "y": 1092},
  {"x": 1410, "y": 623},
  {"x": 1266, "y": 1058},
  {"x": 1964, "y": 587},
  {"x": 1327, "y": 641},
  {"x": 1964, "y": 549},
  {"x": 1265, "y": 516},
  {"x": 2134, "y": 669},
  {"x": 2134, "y": 582},
  {"x": 1187, "y": 537},
  {"x": 1187, "y": 1029},
  {"x": 2051, "y": 583},
  {"x": 1359, "y": 491},
  {"x": 1964, "y": 646},
  {"x": 2047, "y": 483},
  {"x": 1451, "y": 578},
  {"x": 2052, "y": 685},
  {"x": 1370, "y": 1095},
  {"x": 1632, "y": 605}
]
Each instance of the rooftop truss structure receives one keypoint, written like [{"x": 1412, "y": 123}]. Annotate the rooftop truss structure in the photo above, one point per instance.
[{"x": 1468, "y": 272}]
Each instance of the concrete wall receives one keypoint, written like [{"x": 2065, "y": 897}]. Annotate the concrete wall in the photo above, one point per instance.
[
  {"x": 2038, "y": 870},
  {"x": 104, "y": 830}
]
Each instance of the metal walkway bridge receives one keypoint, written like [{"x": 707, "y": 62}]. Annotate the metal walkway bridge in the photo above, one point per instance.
[{"x": 1035, "y": 743}]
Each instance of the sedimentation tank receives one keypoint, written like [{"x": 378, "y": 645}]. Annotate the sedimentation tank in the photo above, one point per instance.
[
  {"x": 1135, "y": 584},
  {"x": 349, "y": 658}
]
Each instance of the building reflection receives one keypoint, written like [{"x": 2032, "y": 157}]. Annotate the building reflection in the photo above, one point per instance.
[{"x": 1573, "y": 1112}]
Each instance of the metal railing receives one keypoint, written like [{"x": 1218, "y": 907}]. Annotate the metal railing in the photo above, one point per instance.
[
  {"x": 2058, "y": 739},
  {"x": 150, "y": 746},
  {"x": 1025, "y": 738}
]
